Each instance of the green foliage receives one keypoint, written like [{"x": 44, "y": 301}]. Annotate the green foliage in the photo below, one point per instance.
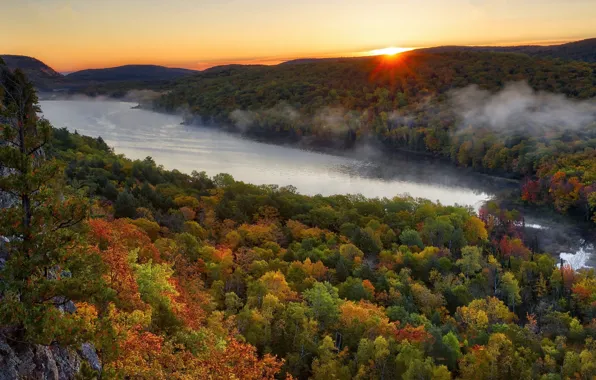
[
  {"x": 125, "y": 206},
  {"x": 411, "y": 238},
  {"x": 44, "y": 262},
  {"x": 323, "y": 300},
  {"x": 470, "y": 263},
  {"x": 322, "y": 282},
  {"x": 339, "y": 287},
  {"x": 405, "y": 104}
]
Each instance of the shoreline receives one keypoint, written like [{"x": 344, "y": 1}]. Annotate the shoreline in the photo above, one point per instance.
[
  {"x": 388, "y": 153},
  {"x": 507, "y": 190}
]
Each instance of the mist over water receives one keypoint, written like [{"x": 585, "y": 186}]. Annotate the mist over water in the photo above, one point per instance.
[
  {"x": 140, "y": 133},
  {"x": 517, "y": 107}
]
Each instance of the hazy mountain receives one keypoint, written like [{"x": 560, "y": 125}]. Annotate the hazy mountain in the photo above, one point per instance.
[
  {"x": 42, "y": 75},
  {"x": 584, "y": 50},
  {"x": 129, "y": 73}
]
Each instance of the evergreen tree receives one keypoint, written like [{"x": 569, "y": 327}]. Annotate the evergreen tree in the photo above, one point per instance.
[
  {"x": 46, "y": 265},
  {"x": 125, "y": 206}
]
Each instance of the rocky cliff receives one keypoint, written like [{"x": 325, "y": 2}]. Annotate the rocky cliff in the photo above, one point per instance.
[{"x": 28, "y": 361}]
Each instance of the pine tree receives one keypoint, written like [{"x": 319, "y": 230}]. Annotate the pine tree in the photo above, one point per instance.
[{"x": 46, "y": 265}]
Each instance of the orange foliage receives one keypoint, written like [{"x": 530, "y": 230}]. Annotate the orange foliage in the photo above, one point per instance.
[
  {"x": 257, "y": 234},
  {"x": 141, "y": 354},
  {"x": 239, "y": 361},
  {"x": 369, "y": 287},
  {"x": 581, "y": 292},
  {"x": 565, "y": 192},
  {"x": 316, "y": 270},
  {"x": 412, "y": 334},
  {"x": 276, "y": 284},
  {"x": 296, "y": 229},
  {"x": 370, "y": 317},
  {"x": 188, "y": 213},
  {"x": 191, "y": 301},
  {"x": 107, "y": 239},
  {"x": 531, "y": 191},
  {"x": 513, "y": 247},
  {"x": 126, "y": 235},
  {"x": 568, "y": 275}
]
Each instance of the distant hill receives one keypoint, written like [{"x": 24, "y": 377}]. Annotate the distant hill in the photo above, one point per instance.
[
  {"x": 42, "y": 75},
  {"x": 313, "y": 60},
  {"x": 129, "y": 73},
  {"x": 131, "y": 76},
  {"x": 584, "y": 50},
  {"x": 357, "y": 83}
]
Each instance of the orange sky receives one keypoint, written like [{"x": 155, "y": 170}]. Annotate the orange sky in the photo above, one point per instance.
[{"x": 71, "y": 35}]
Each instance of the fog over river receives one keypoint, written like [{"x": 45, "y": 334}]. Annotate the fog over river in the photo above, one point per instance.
[{"x": 140, "y": 133}]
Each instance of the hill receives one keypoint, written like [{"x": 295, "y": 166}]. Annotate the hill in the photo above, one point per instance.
[
  {"x": 160, "y": 274},
  {"x": 584, "y": 50},
  {"x": 376, "y": 83},
  {"x": 130, "y": 73},
  {"x": 42, "y": 75},
  {"x": 115, "y": 269},
  {"x": 88, "y": 81},
  {"x": 440, "y": 104}
]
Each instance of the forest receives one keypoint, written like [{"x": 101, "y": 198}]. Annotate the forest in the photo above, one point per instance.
[
  {"x": 179, "y": 276},
  {"x": 410, "y": 102}
]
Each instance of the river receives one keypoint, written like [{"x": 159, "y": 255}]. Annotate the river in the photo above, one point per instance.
[{"x": 139, "y": 133}]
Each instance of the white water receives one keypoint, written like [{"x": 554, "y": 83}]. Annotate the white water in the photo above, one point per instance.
[{"x": 580, "y": 258}]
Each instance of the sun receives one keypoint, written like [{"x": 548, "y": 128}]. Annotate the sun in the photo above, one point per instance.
[{"x": 389, "y": 51}]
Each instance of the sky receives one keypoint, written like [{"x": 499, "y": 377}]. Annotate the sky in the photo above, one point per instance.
[{"x": 70, "y": 35}]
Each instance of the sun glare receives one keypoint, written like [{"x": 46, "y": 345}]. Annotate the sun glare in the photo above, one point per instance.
[{"x": 389, "y": 51}]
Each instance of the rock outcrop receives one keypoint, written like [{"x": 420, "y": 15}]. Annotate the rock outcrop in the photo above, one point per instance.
[{"x": 28, "y": 361}]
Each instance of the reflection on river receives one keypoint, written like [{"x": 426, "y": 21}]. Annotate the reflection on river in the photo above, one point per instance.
[{"x": 141, "y": 133}]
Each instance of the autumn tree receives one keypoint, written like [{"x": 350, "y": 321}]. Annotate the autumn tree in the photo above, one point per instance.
[{"x": 470, "y": 262}]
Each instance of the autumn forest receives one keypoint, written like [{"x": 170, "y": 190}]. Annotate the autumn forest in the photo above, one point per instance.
[{"x": 162, "y": 274}]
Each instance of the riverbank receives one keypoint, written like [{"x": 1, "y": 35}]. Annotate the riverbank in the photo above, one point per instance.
[{"x": 370, "y": 149}]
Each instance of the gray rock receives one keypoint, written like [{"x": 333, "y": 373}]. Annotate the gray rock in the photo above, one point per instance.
[
  {"x": 9, "y": 362},
  {"x": 28, "y": 361},
  {"x": 90, "y": 355},
  {"x": 68, "y": 362}
]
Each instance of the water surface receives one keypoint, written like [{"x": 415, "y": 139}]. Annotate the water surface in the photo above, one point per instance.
[{"x": 140, "y": 133}]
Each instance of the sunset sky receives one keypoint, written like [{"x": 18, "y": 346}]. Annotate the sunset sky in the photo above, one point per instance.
[{"x": 74, "y": 34}]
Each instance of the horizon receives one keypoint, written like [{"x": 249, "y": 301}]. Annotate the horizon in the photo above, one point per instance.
[
  {"x": 70, "y": 36},
  {"x": 268, "y": 61}
]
